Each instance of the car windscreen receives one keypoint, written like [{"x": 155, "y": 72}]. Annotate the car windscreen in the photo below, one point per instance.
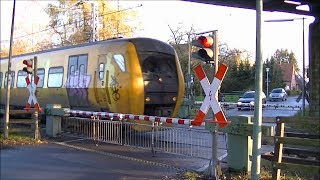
[
  {"x": 276, "y": 91},
  {"x": 248, "y": 95}
]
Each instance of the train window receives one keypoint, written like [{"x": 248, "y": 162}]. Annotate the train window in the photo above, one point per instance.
[
  {"x": 1, "y": 79},
  {"x": 101, "y": 71},
  {"x": 119, "y": 59},
  {"x": 72, "y": 70},
  {"x": 55, "y": 77},
  {"x": 40, "y": 74},
  {"x": 82, "y": 70},
  {"x": 21, "y": 79},
  {"x": 82, "y": 63},
  {"x": 12, "y": 79},
  {"x": 21, "y": 82}
]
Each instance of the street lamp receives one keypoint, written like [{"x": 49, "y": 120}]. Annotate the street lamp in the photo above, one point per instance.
[
  {"x": 303, "y": 56},
  {"x": 267, "y": 70}
]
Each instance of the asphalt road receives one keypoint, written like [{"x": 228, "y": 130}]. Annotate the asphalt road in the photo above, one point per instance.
[
  {"x": 53, "y": 161},
  {"x": 268, "y": 112}
]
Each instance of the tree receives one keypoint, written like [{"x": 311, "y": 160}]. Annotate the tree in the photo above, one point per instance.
[
  {"x": 116, "y": 22},
  {"x": 18, "y": 47},
  {"x": 275, "y": 74},
  {"x": 283, "y": 56},
  {"x": 76, "y": 22}
]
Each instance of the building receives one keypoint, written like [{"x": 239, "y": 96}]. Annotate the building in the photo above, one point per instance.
[{"x": 290, "y": 77}]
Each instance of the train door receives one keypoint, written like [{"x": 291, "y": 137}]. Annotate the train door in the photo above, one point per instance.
[
  {"x": 101, "y": 84},
  {"x": 78, "y": 81},
  {"x": 113, "y": 75}
]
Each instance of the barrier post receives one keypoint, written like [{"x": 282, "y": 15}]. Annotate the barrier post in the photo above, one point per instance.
[
  {"x": 239, "y": 134},
  {"x": 53, "y": 119},
  {"x": 152, "y": 141},
  {"x": 37, "y": 135},
  {"x": 240, "y": 146}
]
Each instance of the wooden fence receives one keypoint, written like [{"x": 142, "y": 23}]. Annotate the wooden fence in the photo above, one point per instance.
[
  {"x": 21, "y": 122},
  {"x": 295, "y": 151}
]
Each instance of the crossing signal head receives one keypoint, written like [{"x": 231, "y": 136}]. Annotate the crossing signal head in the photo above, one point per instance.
[
  {"x": 28, "y": 67},
  {"x": 205, "y": 53},
  {"x": 205, "y": 41}
]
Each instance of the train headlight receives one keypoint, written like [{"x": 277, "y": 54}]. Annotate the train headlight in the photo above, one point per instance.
[
  {"x": 148, "y": 99},
  {"x": 174, "y": 99},
  {"x": 146, "y": 83},
  {"x": 160, "y": 79}
]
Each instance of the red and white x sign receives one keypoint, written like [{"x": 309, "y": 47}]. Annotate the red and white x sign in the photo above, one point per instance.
[
  {"x": 210, "y": 99},
  {"x": 32, "y": 90}
]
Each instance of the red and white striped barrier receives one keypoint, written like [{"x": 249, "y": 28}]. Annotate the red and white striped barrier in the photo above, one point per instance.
[
  {"x": 32, "y": 90},
  {"x": 210, "y": 99},
  {"x": 118, "y": 116}
]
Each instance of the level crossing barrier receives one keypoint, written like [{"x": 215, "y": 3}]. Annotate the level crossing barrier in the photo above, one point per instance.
[{"x": 118, "y": 116}]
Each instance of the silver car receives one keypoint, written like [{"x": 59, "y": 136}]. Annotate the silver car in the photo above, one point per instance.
[
  {"x": 246, "y": 101},
  {"x": 278, "y": 94}
]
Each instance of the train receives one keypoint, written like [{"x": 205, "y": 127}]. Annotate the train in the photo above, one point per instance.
[{"x": 122, "y": 75}]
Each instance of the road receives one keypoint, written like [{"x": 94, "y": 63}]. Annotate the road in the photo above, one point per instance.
[
  {"x": 271, "y": 111},
  {"x": 54, "y": 161}
]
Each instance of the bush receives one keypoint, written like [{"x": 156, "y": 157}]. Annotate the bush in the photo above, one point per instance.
[{"x": 293, "y": 93}]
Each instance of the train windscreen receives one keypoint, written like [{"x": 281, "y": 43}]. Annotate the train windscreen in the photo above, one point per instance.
[{"x": 160, "y": 82}]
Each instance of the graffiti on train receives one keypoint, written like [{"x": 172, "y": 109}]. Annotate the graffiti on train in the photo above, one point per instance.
[
  {"x": 77, "y": 85},
  {"x": 115, "y": 87}
]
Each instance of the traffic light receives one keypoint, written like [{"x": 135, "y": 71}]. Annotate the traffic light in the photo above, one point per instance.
[
  {"x": 28, "y": 67},
  {"x": 205, "y": 53}
]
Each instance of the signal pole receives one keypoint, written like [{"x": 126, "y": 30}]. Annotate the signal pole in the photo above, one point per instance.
[
  {"x": 6, "y": 123},
  {"x": 215, "y": 161},
  {"x": 256, "y": 146},
  {"x": 209, "y": 54}
]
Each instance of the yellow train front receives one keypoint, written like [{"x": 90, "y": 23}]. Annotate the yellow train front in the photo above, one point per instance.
[
  {"x": 139, "y": 76},
  {"x": 122, "y": 75}
]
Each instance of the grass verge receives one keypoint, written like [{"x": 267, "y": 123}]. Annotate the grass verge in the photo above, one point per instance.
[{"x": 18, "y": 140}]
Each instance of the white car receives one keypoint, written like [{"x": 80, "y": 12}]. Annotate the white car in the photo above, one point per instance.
[
  {"x": 278, "y": 94},
  {"x": 246, "y": 101}
]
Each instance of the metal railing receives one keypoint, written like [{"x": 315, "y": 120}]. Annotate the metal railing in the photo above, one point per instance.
[{"x": 154, "y": 136}]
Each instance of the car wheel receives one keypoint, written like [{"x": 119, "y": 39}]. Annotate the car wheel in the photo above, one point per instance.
[{"x": 239, "y": 109}]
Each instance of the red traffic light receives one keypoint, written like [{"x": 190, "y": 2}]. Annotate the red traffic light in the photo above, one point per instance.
[
  {"x": 29, "y": 68},
  {"x": 205, "y": 53},
  {"x": 205, "y": 41},
  {"x": 28, "y": 62}
]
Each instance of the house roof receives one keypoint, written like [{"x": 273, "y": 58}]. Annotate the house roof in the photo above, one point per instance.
[{"x": 287, "y": 71}]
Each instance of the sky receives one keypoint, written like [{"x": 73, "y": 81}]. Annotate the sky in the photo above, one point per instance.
[{"x": 236, "y": 27}]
